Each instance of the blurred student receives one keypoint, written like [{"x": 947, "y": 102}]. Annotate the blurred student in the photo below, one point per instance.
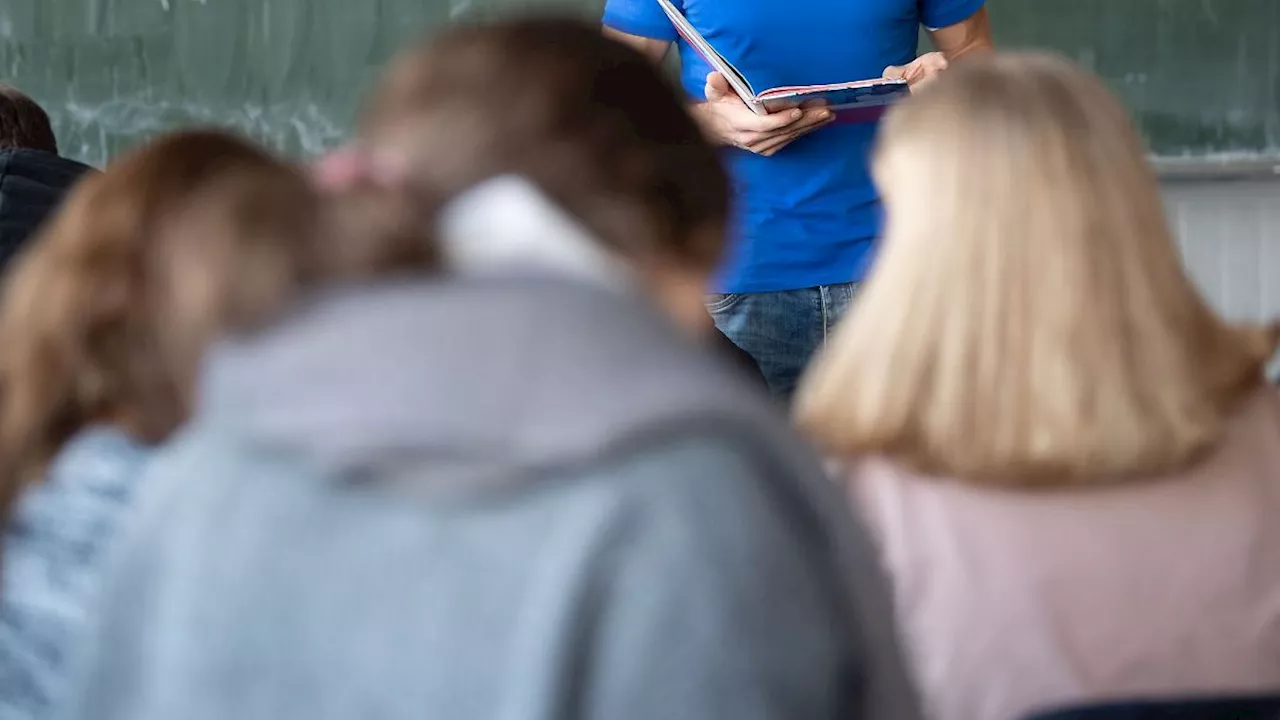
[
  {"x": 1070, "y": 463},
  {"x": 519, "y": 490},
  {"x": 104, "y": 318},
  {"x": 33, "y": 177},
  {"x": 689, "y": 208}
]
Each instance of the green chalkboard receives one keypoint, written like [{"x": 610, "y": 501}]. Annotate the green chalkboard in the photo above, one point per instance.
[{"x": 1203, "y": 76}]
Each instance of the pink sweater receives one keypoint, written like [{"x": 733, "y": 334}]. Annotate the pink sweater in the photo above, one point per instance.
[{"x": 1011, "y": 602}]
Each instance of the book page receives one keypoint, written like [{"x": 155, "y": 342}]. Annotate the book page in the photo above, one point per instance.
[{"x": 695, "y": 39}]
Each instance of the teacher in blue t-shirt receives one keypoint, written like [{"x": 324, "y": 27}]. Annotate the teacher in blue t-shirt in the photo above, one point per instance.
[{"x": 807, "y": 215}]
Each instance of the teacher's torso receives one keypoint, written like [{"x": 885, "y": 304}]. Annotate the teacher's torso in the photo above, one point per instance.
[{"x": 808, "y": 215}]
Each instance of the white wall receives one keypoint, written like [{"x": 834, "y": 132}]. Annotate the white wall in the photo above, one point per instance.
[{"x": 1229, "y": 233}]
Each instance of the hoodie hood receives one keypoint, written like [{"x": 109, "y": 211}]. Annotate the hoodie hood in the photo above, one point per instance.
[{"x": 484, "y": 379}]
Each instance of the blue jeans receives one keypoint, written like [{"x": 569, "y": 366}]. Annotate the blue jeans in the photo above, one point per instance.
[{"x": 782, "y": 330}]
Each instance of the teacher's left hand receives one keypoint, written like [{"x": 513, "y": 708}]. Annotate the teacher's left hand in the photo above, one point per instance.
[{"x": 920, "y": 71}]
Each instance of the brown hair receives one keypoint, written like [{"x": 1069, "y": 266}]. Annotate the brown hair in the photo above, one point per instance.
[
  {"x": 107, "y": 313},
  {"x": 1029, "y": 321},
  {"x": 23, "y": 123},
  {"x": 587, "y": 119}
]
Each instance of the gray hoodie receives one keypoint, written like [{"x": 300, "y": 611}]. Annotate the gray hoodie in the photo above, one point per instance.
[{"x": 501, "y": 499}]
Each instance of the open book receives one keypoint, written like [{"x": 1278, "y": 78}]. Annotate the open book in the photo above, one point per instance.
[{"x": 859, "y": 101}]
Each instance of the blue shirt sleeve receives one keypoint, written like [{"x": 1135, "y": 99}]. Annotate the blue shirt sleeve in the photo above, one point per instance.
[
  {"x": 935, "y": 14},
  {"x": 643, "y": 18}
]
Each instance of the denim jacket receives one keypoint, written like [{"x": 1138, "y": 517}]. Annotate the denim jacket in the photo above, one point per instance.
[{"x": 52, "y": 559}]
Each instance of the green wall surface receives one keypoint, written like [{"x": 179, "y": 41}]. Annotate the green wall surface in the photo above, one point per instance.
[{"x": 1202, "y": 76}]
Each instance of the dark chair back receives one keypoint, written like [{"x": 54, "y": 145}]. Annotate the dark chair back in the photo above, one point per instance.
[{"x": 1265, "y": 707}]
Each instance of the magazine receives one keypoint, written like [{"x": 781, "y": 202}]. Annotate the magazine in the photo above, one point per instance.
[{"x": 857, "y": 101}]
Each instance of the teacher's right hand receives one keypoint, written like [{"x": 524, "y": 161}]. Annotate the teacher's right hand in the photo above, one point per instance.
[{"x": 728, "y": 121}]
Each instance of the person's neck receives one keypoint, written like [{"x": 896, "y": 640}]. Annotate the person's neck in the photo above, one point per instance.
[
  {"x": 680, "y": 295},
  {"x": 507, "y": 223}
]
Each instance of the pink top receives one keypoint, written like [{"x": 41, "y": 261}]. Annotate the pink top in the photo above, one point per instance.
[{"x": 1011, "y": 602}]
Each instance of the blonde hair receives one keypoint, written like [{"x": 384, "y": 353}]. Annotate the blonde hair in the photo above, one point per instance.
[{"x": 1029, "y": 322}]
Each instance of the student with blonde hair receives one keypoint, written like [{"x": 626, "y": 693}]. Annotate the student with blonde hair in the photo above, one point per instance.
[
  {"x": 104, "y": 318},
  {"x": 1070, "y": 463}
]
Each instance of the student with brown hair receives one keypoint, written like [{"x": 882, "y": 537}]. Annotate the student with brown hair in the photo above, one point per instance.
[
  {"x": 1071, "y": 464},
  {"x": 518, "y": 489},
  {"x": 24, "y": 124},
  {"x": 33, "y": 176},
  {"x": 103, "y": 321}
]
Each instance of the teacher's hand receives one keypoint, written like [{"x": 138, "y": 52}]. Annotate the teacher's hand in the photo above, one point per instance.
[
  {"x": 726, "y": 120},
  {"x": 920, "y": 71}
]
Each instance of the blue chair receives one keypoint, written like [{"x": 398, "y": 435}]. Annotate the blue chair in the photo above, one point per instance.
[{"x": 1265, "y": 707}]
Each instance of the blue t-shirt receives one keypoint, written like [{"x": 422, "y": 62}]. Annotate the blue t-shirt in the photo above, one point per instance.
[{"x": 809, "y": 215}]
